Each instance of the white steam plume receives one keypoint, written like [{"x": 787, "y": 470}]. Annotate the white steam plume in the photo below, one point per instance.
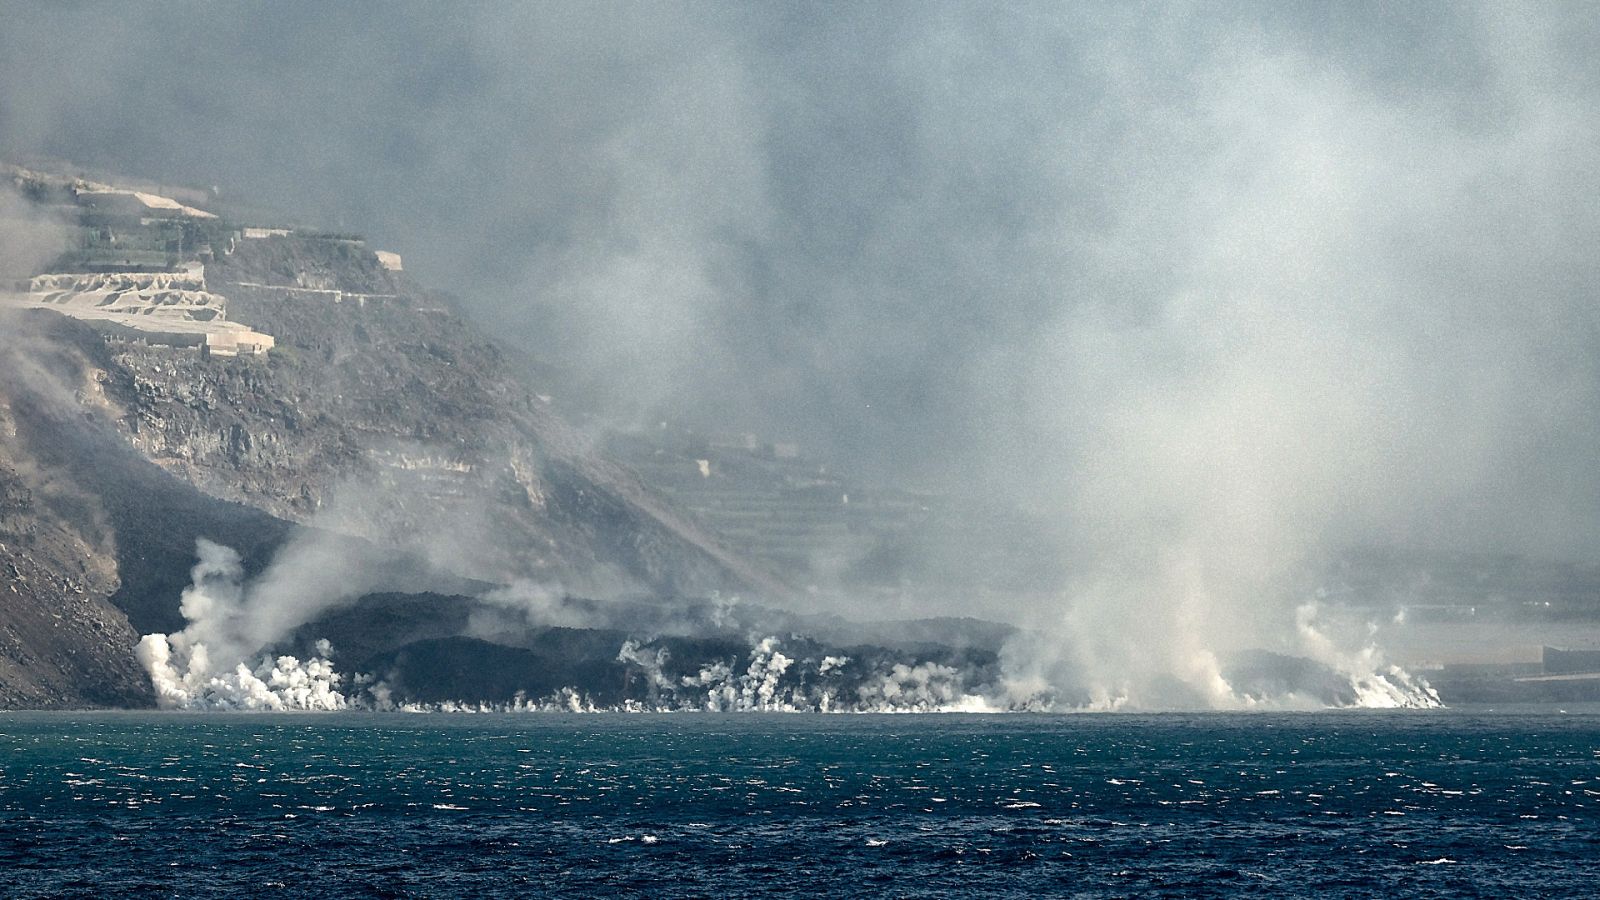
[
  {"x": 220, "y": 660},
  {"x": 1300, "y": 383}
]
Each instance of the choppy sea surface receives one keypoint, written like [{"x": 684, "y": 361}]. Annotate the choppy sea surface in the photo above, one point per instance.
[{"x": 1357, "y": 804}]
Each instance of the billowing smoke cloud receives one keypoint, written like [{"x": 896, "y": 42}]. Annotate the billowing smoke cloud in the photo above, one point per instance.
[
  {"x": 224, "y": 656},
  {"x": 217, "y": 661},
  {"x": 1317, "y": 370},
  {"x": 881, "y": 230},
  {"x": 1225, "y": 291}
]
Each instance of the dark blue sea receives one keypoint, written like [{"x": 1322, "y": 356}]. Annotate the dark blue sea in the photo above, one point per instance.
[{"x": 1351, "y": 804}]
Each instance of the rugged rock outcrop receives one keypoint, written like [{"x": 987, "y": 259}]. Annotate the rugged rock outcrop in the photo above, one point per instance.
[
  {"x": 84, "y": 526},
  {"x": 381, "y": 420},
  {"x": 372, "y": 474},
  {"x": 381, "y": 414}
]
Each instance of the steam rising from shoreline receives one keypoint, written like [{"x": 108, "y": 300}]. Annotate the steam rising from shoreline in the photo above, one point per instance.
[{"x": 220, "y": 661}]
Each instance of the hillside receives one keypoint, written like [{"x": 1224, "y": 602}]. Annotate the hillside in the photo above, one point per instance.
[
  {"x": 380, "y": 419},
  {"x": 229, "y": 452}
]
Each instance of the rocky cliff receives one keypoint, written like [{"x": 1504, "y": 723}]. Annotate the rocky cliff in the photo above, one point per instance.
[
  {"x": 381, "y": 421},
  {"x": 383, "y": 415}
]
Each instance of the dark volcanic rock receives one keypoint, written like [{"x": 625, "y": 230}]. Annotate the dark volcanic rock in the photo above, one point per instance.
[
  {"x": 382, "y": 421},
  {"x": 72, "y": 497},
  {"x": 450, "y": 669},
  {"x": 381, "y": 414}
]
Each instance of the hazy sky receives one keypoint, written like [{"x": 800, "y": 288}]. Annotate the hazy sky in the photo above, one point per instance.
[{"x": 1326, "y": 270}]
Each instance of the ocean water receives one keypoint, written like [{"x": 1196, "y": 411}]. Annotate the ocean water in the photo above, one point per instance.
[{"x": 1358, "y": 804}]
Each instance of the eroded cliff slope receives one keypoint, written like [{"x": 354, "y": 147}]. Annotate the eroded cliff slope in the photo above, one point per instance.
[{"x": 380, "y": 423}]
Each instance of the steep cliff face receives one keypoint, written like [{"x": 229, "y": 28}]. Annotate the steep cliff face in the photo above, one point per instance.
[
  {"x": 381, "y": 421},
  {"x": 62, "y": 643},
  {"x": 64, "y": 640},
  {"x": 381, "y": 414}
]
